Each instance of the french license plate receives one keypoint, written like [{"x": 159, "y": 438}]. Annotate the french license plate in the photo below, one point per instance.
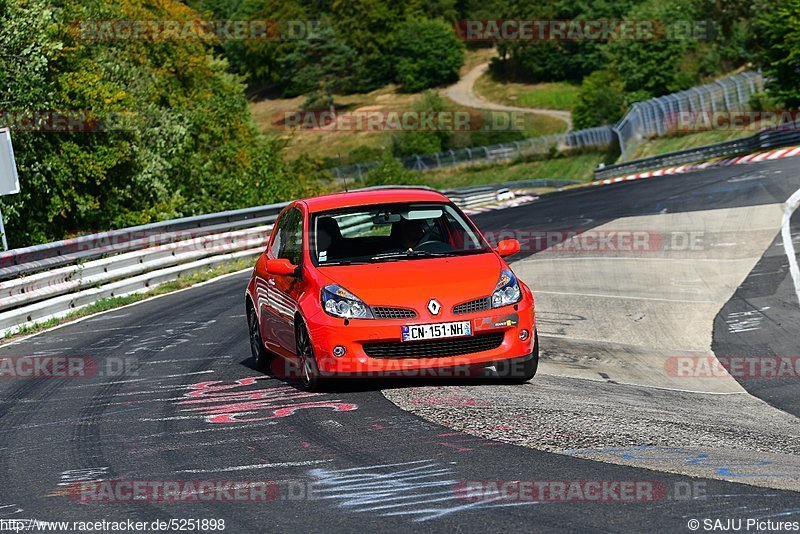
[{"x": 419, "y": 332}]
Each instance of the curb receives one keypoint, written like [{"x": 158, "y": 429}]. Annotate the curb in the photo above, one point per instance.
[{"x": 681, "y": 169}]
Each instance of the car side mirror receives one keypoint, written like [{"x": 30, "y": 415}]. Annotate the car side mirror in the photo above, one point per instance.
[
  {"x": 281, "y": 267},
  {"x": 507, "y": 247}
]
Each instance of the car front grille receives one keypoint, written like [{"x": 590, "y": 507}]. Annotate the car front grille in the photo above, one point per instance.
[
  {"x": 387, "y": 312},
  {"x": 471, "y": 306},
  {"x": 435, "y": 348}
]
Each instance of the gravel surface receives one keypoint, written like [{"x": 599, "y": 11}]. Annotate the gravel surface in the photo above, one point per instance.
[{"x": 587, "y": 418}]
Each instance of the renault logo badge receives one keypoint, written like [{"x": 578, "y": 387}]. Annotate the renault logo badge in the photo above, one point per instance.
[{"x": 434, "y": 307}]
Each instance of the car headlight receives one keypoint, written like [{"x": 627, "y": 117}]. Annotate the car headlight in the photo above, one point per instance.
[
  {"x": 339, "y": 302},
  {"x": 507, "y": 290}
]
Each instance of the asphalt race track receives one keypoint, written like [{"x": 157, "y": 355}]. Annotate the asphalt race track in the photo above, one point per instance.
[{"x": 173, "y": 396}]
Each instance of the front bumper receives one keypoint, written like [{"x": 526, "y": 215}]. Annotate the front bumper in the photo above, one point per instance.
[{"x": 328, "y": 332}]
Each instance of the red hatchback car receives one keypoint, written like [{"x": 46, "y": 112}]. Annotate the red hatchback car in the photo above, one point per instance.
[{"x": 388, "y": 282}]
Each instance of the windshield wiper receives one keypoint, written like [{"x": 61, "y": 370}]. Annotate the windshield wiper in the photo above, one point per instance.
[
  {"x": 411, "y": 254},
  {"x": 344, "y": 262}
]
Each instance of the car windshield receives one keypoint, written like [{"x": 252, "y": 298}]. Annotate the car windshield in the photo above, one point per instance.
[{"x": 394, "y": 232}]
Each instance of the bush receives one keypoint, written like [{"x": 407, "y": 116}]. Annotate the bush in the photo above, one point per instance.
[
  {"x": 319, "y": 67},
  {"x": 661, "y": 64},
  {"x": 601, "y": 100},
  {"x": 428, "y": 54},
  {"x": 777, "y": 36},
  {"x": 422, "y": 141},
  {"x": 390, "y": 171},
  {"x": 190, "y": 147}
]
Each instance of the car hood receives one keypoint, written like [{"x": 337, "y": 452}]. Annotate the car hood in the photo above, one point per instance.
[{"x": 412, "y": 283}]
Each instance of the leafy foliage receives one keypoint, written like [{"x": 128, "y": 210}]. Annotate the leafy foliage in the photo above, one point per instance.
[
  {"x": 390, "y": 171},
  {"x": 777, "y": 38},
  {"x": 428, "y": 54},
  {"x": 423, "y": 141},
  {"x": 320, "y": 66},
  {"x": 600, "y": 101},
  {"x": 188, "y": 147}
]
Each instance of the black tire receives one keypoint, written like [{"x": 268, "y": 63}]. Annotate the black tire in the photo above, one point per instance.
[
  {"x": 310, "y": 379},
  {"x": 520, "y": 370},
  {"x": 261, "y": 356}
]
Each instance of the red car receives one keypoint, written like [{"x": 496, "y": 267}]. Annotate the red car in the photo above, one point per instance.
[{"x": 388, "y": 282}]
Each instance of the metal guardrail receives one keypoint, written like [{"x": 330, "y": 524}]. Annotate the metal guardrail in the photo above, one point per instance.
[
  {"x": 49, "y": 255},
  {"x": 53, "y": 279},
  {"x": 47, "y": 284},
  {"x": 787, "y": 135}
]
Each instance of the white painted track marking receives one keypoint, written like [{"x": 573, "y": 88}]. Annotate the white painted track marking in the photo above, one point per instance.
[{"x": 788, "y": 246}]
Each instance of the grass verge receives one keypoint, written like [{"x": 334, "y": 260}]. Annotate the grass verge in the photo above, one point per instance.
[
  {"x": 116, "y": 302},
  {"x": 663, "y": 145},
  {"x": 575, "y": 166},
  {"x": 557, "y": 95}
]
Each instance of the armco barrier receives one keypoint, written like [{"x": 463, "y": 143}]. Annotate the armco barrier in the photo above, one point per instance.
[
  {"x": 788, "y": 135},
  {"x": 51, "y": 280},
  {"x": 26, "y": 260},
  {"x": 13, "y": 319},
  {"x": 48, "y": 284}
]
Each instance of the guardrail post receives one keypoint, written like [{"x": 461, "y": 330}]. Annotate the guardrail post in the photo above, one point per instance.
[
  {"x": 739, "y": 93},
  {"x": 664, "y": 114},
  {"x": 713, "y": 99},
  {"x": 725, "y": 95}
]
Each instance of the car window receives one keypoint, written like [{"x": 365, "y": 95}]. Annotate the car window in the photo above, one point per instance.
[
  {"x": 279, "y": 233},
  {"x": 392, "y": 232},
  {"x": 291, "y": 247}
]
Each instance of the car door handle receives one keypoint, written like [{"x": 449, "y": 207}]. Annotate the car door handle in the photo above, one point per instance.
[{"x": 271, "y": 282}]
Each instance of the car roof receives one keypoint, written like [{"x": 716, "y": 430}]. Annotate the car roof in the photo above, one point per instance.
[{"x": 366, "y": 197}]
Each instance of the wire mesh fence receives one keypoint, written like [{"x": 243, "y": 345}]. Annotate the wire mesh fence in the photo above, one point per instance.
[
  {"x": 654, "y": 117},
  {"x": 649, "y": 118}
]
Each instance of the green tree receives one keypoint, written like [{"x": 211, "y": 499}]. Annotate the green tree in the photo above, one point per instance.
[
  {"x": 428, "y": 54},
  {"x": 258, "y": 59},
  {"x": 189, "y": 145},
  {"x": 664, "y": 63},
  {"x": 390, "y": 171},
  {"x": 319, "y": 67},
  {"x": 423, "y": 141},
  {"x": 777, "y": 38},
  {"x": 553, "y": 60},
  {"x": 368, "y": 27},
  {"x": 601, "y": 100}
]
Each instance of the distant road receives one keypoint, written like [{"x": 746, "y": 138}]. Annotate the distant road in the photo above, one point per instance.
[{"x": 463, "y": 92}]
